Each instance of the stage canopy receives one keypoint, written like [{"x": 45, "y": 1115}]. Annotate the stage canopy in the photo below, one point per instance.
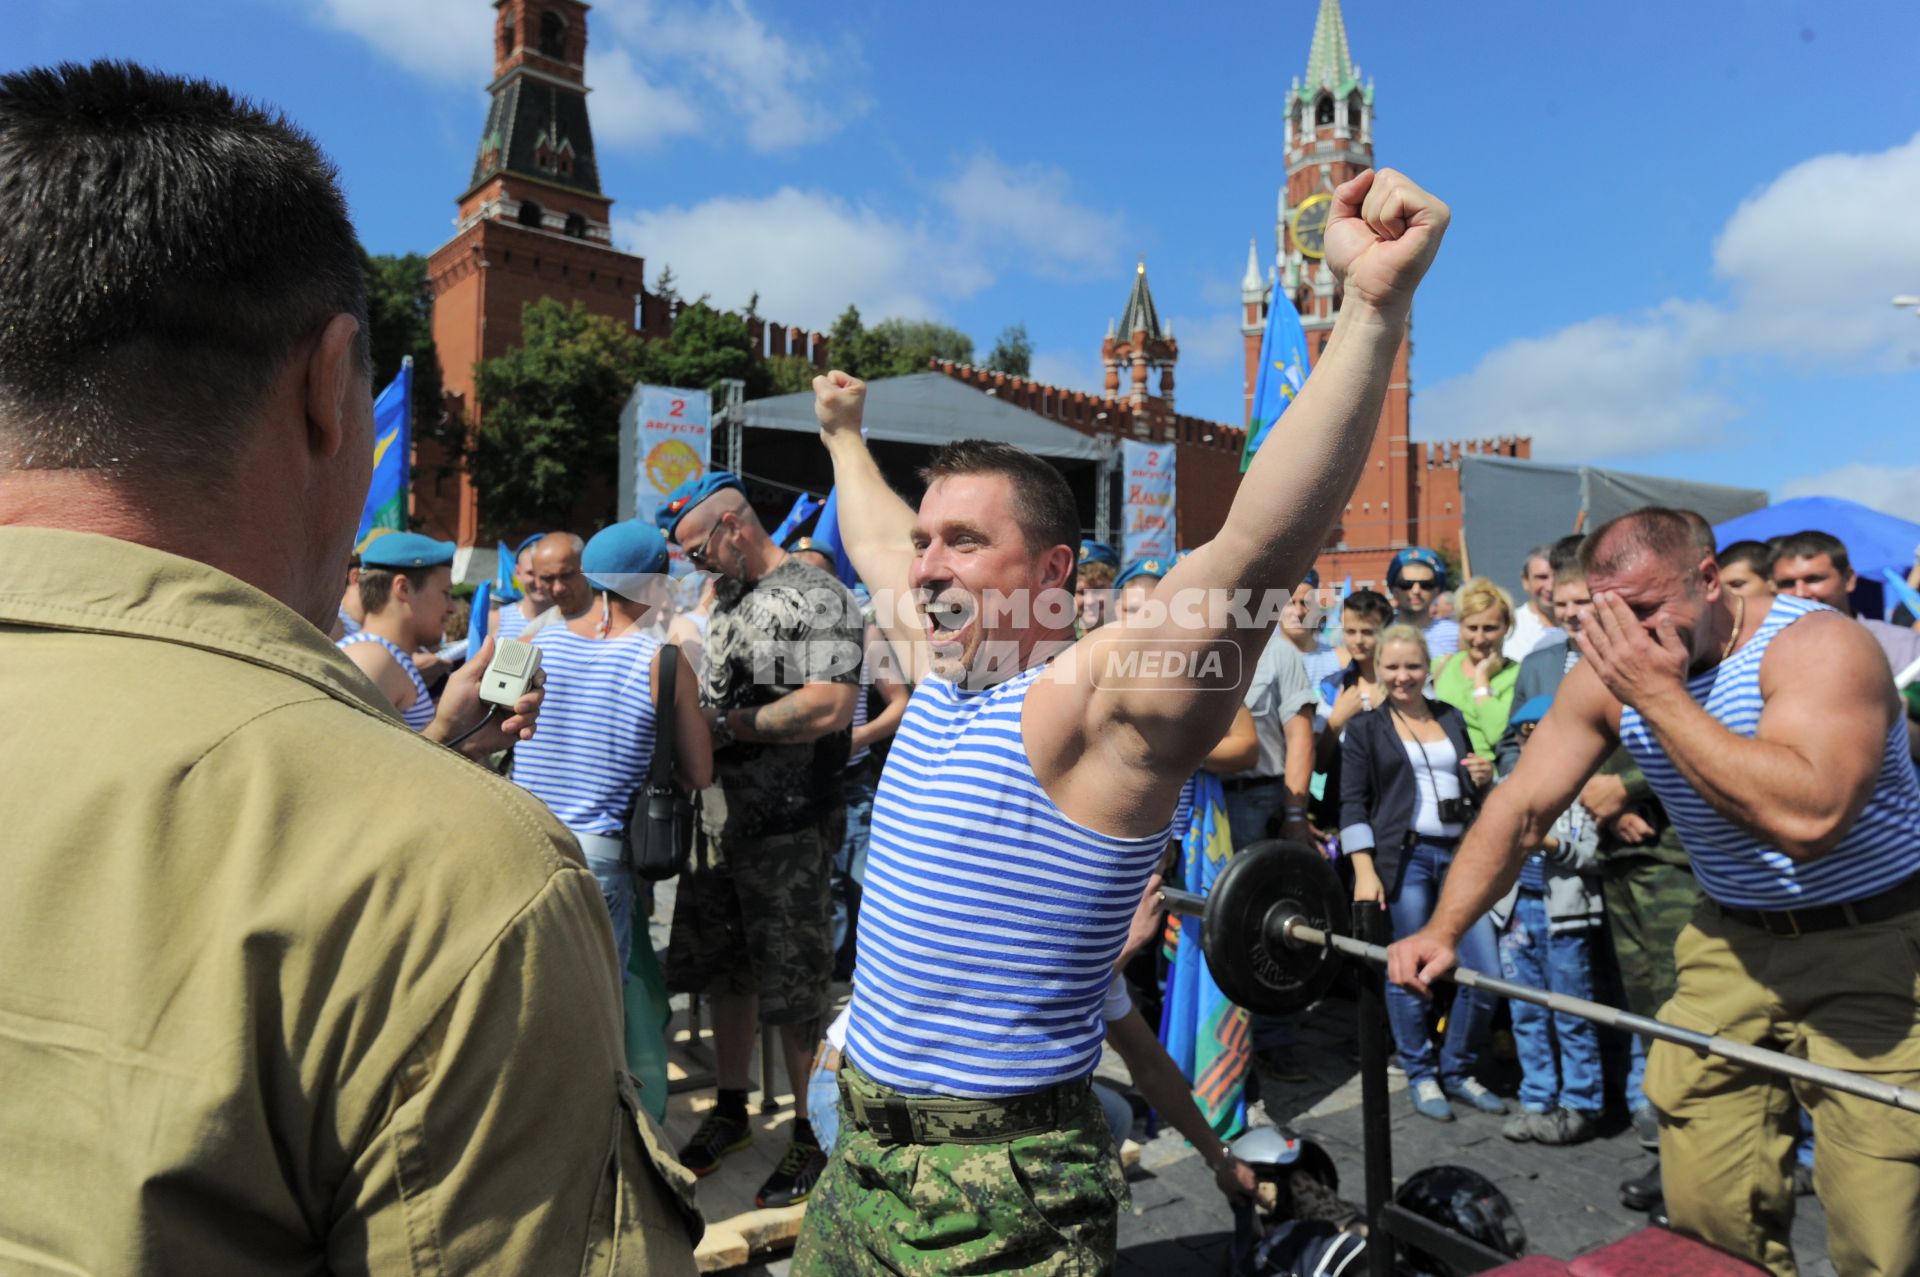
[{"x": 929, "y": 409}]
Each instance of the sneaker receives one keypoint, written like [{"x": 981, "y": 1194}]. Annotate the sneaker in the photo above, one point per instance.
[
  {"x": 1646, "y": 1127},
  {"x": 1430, "y": 1101},
  {"x": 792, "y": 1181},
  {"x": 1562, "y": 1126},
  {"x": 1519, "y": 1127},
  {"x": 1395, "y": 1068},
  {"x": 1469, "y": 1091},
  {"x": 1642, "y": 1192},
  {"x": 715, "y": 1138}
]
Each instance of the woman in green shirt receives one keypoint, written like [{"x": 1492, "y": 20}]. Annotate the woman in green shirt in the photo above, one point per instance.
[{"x": 1478, "y": 680}]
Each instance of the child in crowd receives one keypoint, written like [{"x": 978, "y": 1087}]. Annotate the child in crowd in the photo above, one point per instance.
[{"x": 1548, "y": 943}]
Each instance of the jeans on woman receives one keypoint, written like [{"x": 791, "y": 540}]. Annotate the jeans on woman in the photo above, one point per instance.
[
  {"x": 1559, "y": 1053},
  {"x": 1409, "y": 1014},
  {"x": 607, "y": 858}
]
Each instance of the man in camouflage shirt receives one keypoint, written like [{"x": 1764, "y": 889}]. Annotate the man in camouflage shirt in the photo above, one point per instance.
[{"x": 753, "y": 917}]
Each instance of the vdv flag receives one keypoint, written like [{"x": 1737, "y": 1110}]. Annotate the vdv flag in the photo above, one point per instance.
[
  {"x": 805, "y": 506},
  {"x": 506, "y": 587},
  {"x": 392, "y": 452},
  {"x": 827, "y": 533},
  {"x": 1207, "y": 1036},
  {"x": 1283, "y": 371},
  {"x": 479, "y": 619}
]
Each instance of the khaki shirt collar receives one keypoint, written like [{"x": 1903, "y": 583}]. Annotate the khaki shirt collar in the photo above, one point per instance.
[{"x": 58, "y": 580}]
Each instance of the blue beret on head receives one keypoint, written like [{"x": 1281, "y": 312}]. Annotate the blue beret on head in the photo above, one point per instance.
[
  {"x": 690, "y": 494},
  {"x": 628, "y": 548},
  {"x": 535, "y": 539},
  {"x": 407, "y": 550},
  {"x": 1532, "y": 712},
  {"x": 1155, "y": 568},
  {"x": 1312, "y": 579},
  {"x": 1421, "y": 555},
  {"x": 1099, "y": 552}
]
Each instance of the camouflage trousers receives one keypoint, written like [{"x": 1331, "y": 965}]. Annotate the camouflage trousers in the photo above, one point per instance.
[
  {"x": 1044, "y": 1204},
  {"x": 1649, "y": 902}
]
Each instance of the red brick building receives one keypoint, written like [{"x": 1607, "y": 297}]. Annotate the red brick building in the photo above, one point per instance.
[{"x": 533, "y": 223}]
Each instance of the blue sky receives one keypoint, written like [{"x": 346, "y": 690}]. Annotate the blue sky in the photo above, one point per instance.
[{"x": 1677, "y": 226}]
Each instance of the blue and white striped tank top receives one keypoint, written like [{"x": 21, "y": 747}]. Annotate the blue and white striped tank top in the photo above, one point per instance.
[
  {"x": 1882, "y": 848},
  {"x": 509, "y": 623},
  {"x": 860, "y": 711},
  {"x": 594, "y": 744},
  {"x": 990, "y": 921},
  {"x": 418, "y": 714}
]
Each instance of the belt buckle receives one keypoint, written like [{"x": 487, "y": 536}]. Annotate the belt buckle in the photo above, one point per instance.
[{"x": 1793, "y": 923}]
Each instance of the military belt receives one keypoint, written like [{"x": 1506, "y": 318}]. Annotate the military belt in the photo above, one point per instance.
[{"x": 894, "y": 1118}]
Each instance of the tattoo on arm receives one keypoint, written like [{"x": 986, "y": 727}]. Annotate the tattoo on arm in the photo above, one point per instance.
[{"x": 779, "y": 721}]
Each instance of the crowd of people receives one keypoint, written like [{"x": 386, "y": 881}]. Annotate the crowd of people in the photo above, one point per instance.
[{"x": 317, "y": 959}]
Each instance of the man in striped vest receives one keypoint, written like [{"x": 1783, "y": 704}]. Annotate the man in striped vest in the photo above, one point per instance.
[
  {"x": 1775, "y": 741},
  {"x": 1029, "y": 790}
]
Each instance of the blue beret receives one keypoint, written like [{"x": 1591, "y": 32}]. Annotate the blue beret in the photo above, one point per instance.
[
  {"x": 1155, "y": 568},
  {"x": 628, "y": 548},
  {"x": 690, "y": 494},
  {"x": 1312, "y": 579},
  {"x": 1421, "y": 555},
  {"x": 1099, "y": 552},
  {"x": 1532, "y": 712},
  {"x": 407, "y": 550},
  {"x": 521, "y": 549}
]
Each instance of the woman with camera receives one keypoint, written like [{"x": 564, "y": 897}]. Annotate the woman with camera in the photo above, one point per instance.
[{"x": 1409, "y": 784}]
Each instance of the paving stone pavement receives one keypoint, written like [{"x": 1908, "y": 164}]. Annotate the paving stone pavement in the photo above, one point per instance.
[{"x": 1567, "y": 1198}]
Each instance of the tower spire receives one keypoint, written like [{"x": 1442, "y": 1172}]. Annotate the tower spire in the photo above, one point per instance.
[
  {"x": 1330, "y": 62},
  {"x": 1251, "y": 283},
  {"x": 1140, "y": 314}
]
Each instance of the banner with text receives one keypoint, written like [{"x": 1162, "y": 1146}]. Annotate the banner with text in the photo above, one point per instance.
[
  {"x": 1147, "y": 512},
  {"x": 672, "y": 442}
]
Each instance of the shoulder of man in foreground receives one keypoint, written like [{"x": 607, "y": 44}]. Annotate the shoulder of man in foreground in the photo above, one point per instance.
[{"x": 389, "y": 961}]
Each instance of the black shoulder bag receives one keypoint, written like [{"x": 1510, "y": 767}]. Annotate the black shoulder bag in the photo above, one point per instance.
[{"x": 660, "y": 835}]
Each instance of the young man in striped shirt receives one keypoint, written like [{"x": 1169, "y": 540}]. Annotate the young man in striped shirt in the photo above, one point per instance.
[
  {"x": 1028, "y": 793},
  {"x": 1775, "y": 741}
]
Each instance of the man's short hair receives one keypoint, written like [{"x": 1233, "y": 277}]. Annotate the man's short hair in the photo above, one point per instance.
[
  {"x": 1704, "y": 539},
  {"x": 1651, "y": 531},
  {"x": 166, "y": 247},
  {"x": 1757, "y": 555},
  {"x": 1810, "y": 544},
  {"x": 1563, "y": 556},
  {"x": 1370, "y": 605},
  {"x": 1043, "y": 504},
  {"x": 1542, "y": 551},
  {"x": 376, "y": 585}
]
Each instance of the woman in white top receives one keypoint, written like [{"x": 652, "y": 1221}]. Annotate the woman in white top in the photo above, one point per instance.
[{"x": 1409, "y": 784}]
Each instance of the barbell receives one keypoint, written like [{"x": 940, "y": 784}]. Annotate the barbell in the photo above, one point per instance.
[{"x": 1271, "y": 935}]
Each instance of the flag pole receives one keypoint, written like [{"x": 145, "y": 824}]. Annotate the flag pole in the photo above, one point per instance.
[{"x": 406, "y": 453}]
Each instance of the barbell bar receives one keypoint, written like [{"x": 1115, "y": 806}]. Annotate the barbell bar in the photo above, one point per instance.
[{"x": 1268, "y": 933}]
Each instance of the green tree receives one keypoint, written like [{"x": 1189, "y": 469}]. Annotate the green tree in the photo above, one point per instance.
[
  {"x": 789, "y": 374},
  {"x": 894, "y": 347},
  {"x": 552, "y": 412},
  {"x": 400, "y": 323},
  {"x": 706, "y": 346},
  {"x": 1013, "y": 353}
]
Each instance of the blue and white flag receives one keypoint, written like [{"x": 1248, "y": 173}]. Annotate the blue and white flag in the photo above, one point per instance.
[
  {"x": 1283, "y": 371},
  {"x": 386, "y": 505}
]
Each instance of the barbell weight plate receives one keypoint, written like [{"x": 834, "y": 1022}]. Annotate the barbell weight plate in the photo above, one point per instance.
[{"x": 1250, "y": 961}]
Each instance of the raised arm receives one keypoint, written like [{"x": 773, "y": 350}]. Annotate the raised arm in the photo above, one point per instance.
[
  {"x": 1568, "y": 746},
  {"x": 1382, "y": 237},
  {"x": 876, "y": 526}
]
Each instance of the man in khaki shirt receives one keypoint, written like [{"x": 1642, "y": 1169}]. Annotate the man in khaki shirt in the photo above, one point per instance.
[{"x": 284, "y": 988}]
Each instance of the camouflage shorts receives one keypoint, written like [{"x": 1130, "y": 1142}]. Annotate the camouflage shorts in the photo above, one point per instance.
[
  {"x": 1046, "y": 1205},
  {"x": 756, "y": 916},
  {"x": 1648, "y": 904}
]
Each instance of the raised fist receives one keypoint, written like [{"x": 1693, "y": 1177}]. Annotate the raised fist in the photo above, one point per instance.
[
  {"x": 839, "y": 401},
  {"x": 1381, "y": 237}
]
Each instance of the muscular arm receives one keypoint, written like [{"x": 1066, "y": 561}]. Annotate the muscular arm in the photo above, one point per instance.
[
  {"x": 1383, "y": 234},
  {"x": 876, "y": 526},
  {"x": 1299, "y": 769},
  {"x": 805, "y": 714},
  {"x": 1569, "y": 744},
  {"x": 1238, "y": 750},
  {"x": 1811, "y": 766},
  {"x": 373, "y": 661}
]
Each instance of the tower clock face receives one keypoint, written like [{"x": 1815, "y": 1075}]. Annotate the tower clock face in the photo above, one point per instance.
[{"x": 1310, "y": 225}]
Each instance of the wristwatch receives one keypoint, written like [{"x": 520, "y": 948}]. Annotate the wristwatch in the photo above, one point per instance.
[{"x": 722, "y": 730}]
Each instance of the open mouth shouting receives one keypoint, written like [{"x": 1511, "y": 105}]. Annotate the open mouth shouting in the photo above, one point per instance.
[{"x": 949, "y": 614}]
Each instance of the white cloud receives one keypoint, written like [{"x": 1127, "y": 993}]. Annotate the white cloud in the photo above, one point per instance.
[
  {"x": 648, "y": 65},
  {"x": 1892, "y": 490},
  {"x": 415, "y": 35},
  {"x": 806, "y": 253},
  {"x": 1809, "y": 263},
  {"x": 1031, "y": 211},
  {"x": 1212, "y": 340},
  {"x": 628, "y": 108},
  {"x": 1075, "y": 371},
  {"x": 810, "y": 253}
]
